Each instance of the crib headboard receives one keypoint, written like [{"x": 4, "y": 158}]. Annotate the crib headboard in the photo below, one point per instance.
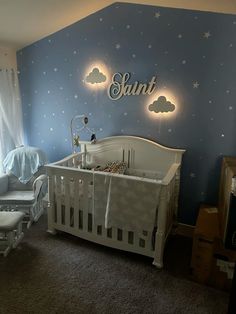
[{"x": 139, "y": 153}]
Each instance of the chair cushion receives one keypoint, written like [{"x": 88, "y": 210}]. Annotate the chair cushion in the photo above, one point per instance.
[
  {"x": 10, "y": 220},
  {"x": 17, "y": 198},
  {"x": 15, "y": 184}
]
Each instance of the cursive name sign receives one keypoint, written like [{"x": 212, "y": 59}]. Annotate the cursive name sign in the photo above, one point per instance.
[{"x": 119, "y": 86}]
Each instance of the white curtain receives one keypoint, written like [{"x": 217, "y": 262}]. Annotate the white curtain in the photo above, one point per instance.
[{"x": 11, "y": 125}]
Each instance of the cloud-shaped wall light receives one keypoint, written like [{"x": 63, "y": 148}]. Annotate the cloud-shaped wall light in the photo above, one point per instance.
[
  {"x": 161, "y": 105},
  {"x": 95, "y": 77}
]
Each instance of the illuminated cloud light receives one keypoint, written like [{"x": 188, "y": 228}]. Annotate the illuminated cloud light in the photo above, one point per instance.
[
  {"x": 161, "y": 105},
  {"x": 156, "y": 101},
  {"x": 95, "y": 77}
]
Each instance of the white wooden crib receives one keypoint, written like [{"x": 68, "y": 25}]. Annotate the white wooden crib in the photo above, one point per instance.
[{"x": 72, "y": 199}]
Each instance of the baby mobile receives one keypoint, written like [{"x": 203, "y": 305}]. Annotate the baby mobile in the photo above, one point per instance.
[{"x": 78, "y": 124}]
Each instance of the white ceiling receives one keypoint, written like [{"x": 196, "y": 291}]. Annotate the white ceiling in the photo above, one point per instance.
[{"x": 23, "y": 22}]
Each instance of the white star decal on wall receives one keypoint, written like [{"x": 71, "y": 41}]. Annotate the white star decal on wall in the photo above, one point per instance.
[
  {"x": 207, "y": 35},
  {"x": 118, "y": 46},
  {"x": 195, "y": 84},
  {"x": 157, "y": 15}
]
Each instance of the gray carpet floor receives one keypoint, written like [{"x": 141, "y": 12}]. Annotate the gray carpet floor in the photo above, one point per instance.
[{"x": 65, "y": 274}]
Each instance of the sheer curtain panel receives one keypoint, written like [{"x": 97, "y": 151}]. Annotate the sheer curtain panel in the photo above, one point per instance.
[{"x": 11, "y": 125}]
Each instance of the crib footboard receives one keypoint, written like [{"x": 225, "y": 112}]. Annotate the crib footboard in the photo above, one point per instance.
[{"x": 70, "y": 210}]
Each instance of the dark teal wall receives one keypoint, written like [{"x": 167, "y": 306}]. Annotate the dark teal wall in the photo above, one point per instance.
[{"x": 192, "y": 53}]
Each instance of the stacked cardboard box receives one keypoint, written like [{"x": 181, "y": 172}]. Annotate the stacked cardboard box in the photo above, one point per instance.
[
  {"x": 206, "y": 230},
  {"x": 211, "y": 263},
  {"x": 223, "y": 264}
]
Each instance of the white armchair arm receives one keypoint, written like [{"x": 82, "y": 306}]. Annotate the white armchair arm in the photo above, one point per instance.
[
  {"x": 40, "y": 186},
  {"x": 3, "y": 184}
]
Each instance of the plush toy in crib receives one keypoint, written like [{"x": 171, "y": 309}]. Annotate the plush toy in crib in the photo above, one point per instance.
[
  {"x": 93, "y": 138},
  {"x": 113, "y": 167},
  {"x": 76, "y": 141}
]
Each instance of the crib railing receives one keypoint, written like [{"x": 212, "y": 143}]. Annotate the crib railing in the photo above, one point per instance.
[{"x": 70, "y": 210}]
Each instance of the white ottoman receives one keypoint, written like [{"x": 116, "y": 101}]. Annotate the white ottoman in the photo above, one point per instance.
[{"x": 10, "y": 230}]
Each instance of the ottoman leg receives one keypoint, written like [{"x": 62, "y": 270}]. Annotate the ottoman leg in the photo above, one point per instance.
[
  {"x": 9, "y": 241},
  {"x": 7, "y": 250},
  {"x": 19, "y": 235}
]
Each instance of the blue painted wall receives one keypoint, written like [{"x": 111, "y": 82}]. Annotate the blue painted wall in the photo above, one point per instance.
[{"x": 192, "y": 53}]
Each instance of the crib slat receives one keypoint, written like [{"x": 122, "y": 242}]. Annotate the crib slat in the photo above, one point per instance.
[
  {"x": 136, "y": 240},
  {"x": 67, "y": 200},
  {"x": 114, "y": 233},
  {"x": 85, "y": 203},
  {"x": 76, "y": 203},
  {"x": 59, "y": 193},
  {"x": 125, "y": 236}
]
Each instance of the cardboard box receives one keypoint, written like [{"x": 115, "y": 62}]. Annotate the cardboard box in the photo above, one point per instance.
[
  {"x": 223, "y": 264},
  {"x": 205, "y": 233},
  {"x": 211, "y": 263}
]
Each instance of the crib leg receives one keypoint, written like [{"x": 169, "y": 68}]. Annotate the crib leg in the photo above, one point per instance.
[
  {"x": 51, "y": 218},
  {"x": 159, "y": 250},
  {"x": 161, "y": 229},
  {"x": 52, "y": 231},
  {"x": 18, "y": 235},
  {"x": 29, "y": 223}
]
